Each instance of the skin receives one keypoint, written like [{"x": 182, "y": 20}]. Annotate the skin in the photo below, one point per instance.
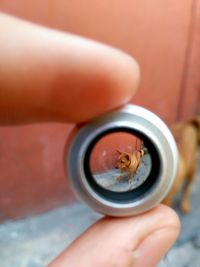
[{"x": 46, "y": 75}]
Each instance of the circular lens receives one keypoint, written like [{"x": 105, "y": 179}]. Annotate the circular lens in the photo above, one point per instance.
[{"x": 120, "y": 162}]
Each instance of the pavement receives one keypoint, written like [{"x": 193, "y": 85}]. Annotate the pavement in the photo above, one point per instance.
[
  {"x": 109, "y": 179},
  {"x": 34, "y": 241}
]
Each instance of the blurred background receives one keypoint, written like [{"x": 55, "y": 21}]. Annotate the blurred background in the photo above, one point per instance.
[{"x": 163, "y": 36}]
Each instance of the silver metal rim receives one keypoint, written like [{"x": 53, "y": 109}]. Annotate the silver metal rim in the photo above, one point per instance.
[{"x": 139, "y": 119}]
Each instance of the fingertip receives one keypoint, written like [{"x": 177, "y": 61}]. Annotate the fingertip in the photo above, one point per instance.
[
  {"x": 156, "y": 244},
  {"x": 130, "y": 78},
  {"x": 111, "y": 79},
  {"x": 153, "y": 249},
  {"x": 126, "y": 73},
  {"x": 168, "y": 216},
  {"x": 107, "y": 80}
]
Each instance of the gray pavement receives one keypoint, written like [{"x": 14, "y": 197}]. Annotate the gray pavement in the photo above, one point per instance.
[
  {"x": 109, "y": 179},
  {"x": 33, "y": 242}
]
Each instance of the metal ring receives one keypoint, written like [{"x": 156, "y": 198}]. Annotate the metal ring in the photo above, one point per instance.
[{"x": 162, "y": 148}]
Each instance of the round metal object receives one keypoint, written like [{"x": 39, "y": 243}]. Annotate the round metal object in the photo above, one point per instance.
[{"x": 123, "y": 162}]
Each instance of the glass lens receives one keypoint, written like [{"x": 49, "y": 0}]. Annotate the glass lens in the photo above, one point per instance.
[{"x": 120, "y": 162}]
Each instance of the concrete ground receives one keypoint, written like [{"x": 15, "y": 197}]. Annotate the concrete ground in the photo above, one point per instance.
[{"x": 33, "y": 242}]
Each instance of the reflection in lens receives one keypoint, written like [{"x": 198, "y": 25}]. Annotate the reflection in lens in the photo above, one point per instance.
[{"x": 120, "y": 162}]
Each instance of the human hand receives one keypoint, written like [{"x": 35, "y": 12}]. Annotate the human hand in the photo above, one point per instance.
[{"x": 47, "y": 75}]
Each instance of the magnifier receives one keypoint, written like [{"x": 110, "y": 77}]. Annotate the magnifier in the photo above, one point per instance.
[{"x": 123, "y": 162}]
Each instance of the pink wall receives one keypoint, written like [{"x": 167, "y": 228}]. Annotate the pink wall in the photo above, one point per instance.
[{"x": 157, "y": 33}]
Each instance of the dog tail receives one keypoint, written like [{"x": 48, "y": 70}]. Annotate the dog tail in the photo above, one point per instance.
[{"x": 196, "y": 123}]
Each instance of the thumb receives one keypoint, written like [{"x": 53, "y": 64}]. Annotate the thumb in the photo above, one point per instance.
[{"x": 139, "y": 241}]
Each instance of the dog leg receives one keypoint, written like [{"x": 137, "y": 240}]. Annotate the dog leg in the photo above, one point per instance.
[
  {"x": 121, "y": 177},
  {"x": 175, "y": 187},
  {"x": 131, "y": 173},
  {"x": 168, "y": 199},
  {"x": 185, "y": 201}
]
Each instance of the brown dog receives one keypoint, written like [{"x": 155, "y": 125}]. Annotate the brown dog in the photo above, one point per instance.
[
  {"x": 129, "y": 162},
  {"x": 187, "y": 136}
]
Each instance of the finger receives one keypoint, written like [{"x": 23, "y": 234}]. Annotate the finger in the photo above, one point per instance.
[
  {"x": 47, "y": 75},
  {"x": 138, "y": 241}
]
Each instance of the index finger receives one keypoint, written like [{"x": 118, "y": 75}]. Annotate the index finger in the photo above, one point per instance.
[{"x": 47, "y": 75}]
